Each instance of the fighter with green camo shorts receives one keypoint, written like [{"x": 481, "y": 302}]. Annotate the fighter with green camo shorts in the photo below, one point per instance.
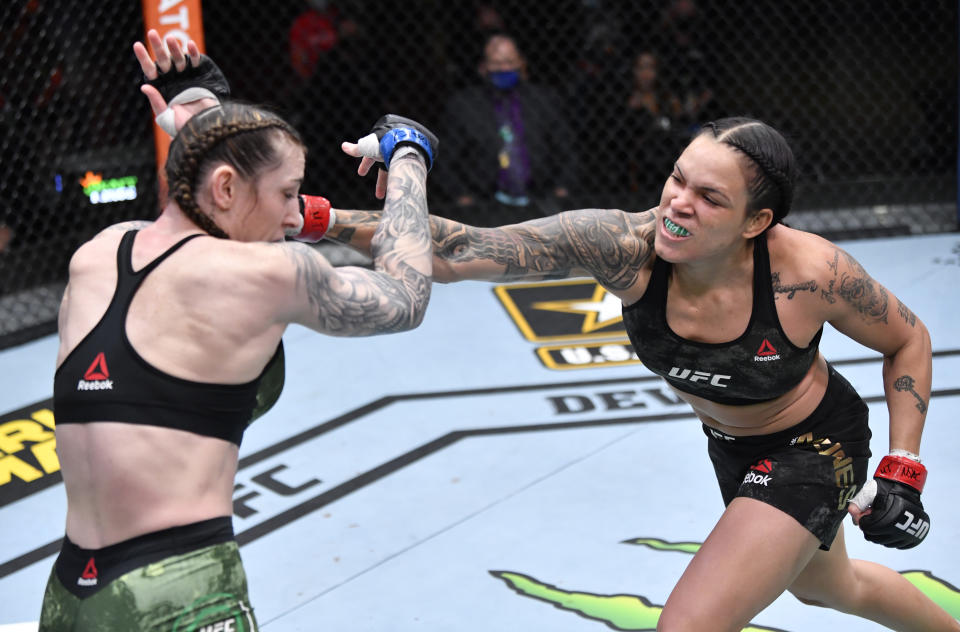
[
  {"x": 145, "y": 582},
  {"x": 170, "y": 343}
]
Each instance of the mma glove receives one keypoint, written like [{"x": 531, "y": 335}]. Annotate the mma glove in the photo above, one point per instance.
[
  {"x": 318, "y": 218},
  {"x": 393, "y": 132},
  {"x": 205, "y": 80},
  {"x": 388, "y": 139},
  {"x": 896, "y": 518}
]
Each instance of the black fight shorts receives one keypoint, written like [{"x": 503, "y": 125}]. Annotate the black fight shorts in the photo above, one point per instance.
[{"x": 809, "y": 471}]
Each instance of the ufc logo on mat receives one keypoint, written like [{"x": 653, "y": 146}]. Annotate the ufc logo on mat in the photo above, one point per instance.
[
  {"x": 918, "y": 528},
  {"x": 715, "y": 379}
]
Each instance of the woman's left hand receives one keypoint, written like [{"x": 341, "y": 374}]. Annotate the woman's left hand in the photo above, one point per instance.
[{"x": 169, "y": 55}]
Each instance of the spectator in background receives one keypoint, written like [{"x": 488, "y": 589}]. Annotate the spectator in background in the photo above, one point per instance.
[
  {"x": 473, "y": 27},
  {"x": 595, "y": 93},
  {"x": 316, "y": 32},
  {"x": 509, "y": 141},
  {"x": 652, "y": 122},
  {"x": 31, "y": 86},
  {"x": 331, "y": 61},
  {"x": 683, "y": 52},
  {"x": 5, "y": 236}
]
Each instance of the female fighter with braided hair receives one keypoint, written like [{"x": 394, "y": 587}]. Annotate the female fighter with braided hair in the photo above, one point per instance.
[
  {"x": 170, "y": 344},
  {"x": 727, "y": 304}
]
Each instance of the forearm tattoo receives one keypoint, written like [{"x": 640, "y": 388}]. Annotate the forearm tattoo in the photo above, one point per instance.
[
  {"x": 403, "y": 231},
  {"x": 792, "y": 289},
  {"x": 905, "y": 383},
  {"x": 605, "y": 243},
  {"x": 348, "y": 223},
  {"x": 392, "y": 298},
  {"x": 856, "y": 287}
]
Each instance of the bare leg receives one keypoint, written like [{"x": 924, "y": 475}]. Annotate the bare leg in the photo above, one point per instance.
[
  {"x": 868, "y": 590},
  {"x": 748, "y": 560}
]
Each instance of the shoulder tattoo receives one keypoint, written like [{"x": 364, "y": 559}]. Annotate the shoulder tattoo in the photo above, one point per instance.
[
  {"x": 791, "y": 289},
  {"x": 131, "y": 225},
  {"x": 908, "y": 317},
  {"x": 856, "y": 287}
]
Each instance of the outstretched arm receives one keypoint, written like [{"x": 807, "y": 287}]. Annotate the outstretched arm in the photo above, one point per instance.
[{"x": 609, "y": 245}]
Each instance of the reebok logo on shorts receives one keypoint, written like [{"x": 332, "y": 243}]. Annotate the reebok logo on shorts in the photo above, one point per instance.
[
  {"x": 766, "y": 352},
  {"x": 759, "y": 473},
  {"x": 97, "y": 377},
  {"x": 764, "y": 466},
  {"x": 89, "y": 575}
]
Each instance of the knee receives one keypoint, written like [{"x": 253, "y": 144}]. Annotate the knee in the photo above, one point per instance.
[
  {"x": 671, "y": 620},
  {"x": 808, "y": 600}
]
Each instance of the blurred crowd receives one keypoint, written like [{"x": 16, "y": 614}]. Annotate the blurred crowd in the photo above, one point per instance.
[
  {"x": 528, "y": 116},
  {"x": 539, "y": 106}
]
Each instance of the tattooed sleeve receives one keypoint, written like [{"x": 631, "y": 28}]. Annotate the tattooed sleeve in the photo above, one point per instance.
[
  {"x": 610, "y": 245},
  {"x": 857, "y": 288},
  {"x": 353, "y": 301}
]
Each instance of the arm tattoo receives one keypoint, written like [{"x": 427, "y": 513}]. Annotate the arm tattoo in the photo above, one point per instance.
[
  {"x": 909, "y": 317},
  {"x": 605, "y": 243},
  {"x": 905, "y": 383},
  {"x": 791, "y": 290},
  {"x": 403, "y": 230},
  {"x": 356, "y": 302},
  {"x": 392, "y": 297},
  {"x": 858, "y": 289},
  {"x": 348, "y": 222}
]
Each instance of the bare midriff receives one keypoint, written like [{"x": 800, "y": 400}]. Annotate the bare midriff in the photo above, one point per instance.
[
  {"x": 125, "y": 480},
  {"x": 766, "y": 417}
]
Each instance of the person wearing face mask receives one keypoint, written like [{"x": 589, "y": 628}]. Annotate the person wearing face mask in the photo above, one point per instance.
[{"x": 511, "y": 140}]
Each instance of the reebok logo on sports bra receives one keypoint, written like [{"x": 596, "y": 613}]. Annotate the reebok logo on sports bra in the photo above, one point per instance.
[
  {"x": 131, "y": 390},
  {"x": 97, "y": 376},
  {"x": 759, "y": 365},
  {"x": 766, "y": 352}
]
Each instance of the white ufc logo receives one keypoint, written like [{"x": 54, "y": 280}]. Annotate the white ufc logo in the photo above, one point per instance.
[
  {"x": 918, "y": 528},
  {"x": 715, "y": 379}
]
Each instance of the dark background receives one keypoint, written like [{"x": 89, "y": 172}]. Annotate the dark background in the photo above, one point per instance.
[{"x": 865, "y": 90}]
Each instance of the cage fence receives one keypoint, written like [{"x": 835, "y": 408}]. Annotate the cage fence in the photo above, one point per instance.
[{"x": 865, "y": 91}]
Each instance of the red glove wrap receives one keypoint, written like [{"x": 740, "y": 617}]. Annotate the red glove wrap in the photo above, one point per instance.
[
  {"x": 317, "y": 218},
  {"x": 902, "y": 470}
]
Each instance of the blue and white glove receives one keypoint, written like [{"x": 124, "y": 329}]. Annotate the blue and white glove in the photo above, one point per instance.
[{"x": 391, "y": 133}]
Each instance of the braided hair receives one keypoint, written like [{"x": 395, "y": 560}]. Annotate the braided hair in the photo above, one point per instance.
[
  {"x": 237, "y": 134},
  {"x": 772, "y": 169}
]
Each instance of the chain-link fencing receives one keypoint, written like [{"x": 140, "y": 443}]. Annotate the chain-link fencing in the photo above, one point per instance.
[{"x": 606, "y": 94}]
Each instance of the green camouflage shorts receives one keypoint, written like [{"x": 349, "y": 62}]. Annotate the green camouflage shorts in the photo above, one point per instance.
[{"x": 204, "y": 590}]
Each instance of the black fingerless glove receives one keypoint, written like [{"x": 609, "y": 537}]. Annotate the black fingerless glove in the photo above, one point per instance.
[
  {"x": 205, "y": 74},
  {"x": 897, "y": 518}
]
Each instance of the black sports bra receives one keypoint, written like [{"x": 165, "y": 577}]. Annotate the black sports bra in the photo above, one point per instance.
[
  {"x": 105, "y": 379},
  {"x": 762, "y": 364}
]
